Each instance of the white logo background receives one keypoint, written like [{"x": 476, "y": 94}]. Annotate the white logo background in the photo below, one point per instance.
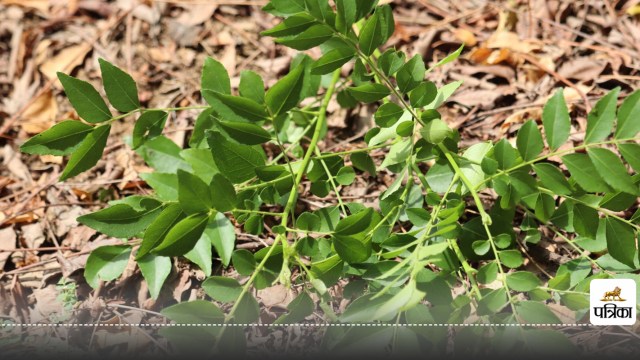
[{"x": 597, "y": 289}]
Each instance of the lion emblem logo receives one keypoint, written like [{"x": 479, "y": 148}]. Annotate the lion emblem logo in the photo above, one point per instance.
[{"x": 612, "y": 295}]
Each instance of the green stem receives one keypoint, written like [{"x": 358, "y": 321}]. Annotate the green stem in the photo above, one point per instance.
[
  {"x": 551, "y": 154},
  {"x": 333, "y": 184},
  {"x": 281, "y": 238}
]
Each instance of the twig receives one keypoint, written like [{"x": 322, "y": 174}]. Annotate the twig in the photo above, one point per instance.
[{"x": 45, "y": 248}]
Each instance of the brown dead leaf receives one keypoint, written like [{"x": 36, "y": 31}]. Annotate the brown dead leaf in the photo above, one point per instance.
[
  {"x": 510, "y": 40},
  {"x": 13, "y": 163},
  {"x": 466, "y": 37},
  {"x": 520, "y": 117},
  {"x": 196, "y": 14},
  {"x": 40, "y": 115},
  {"x": 583, "y": 68},
  {"x": 67, "y": 59},
  {"x": 478, "y": 97},
  {"x": 40, "y": 5},
  {"x": 277, "y": 295},
  {"x": 33, "y": 235},
  {"x": 47, "y": 302},
  {"x": 7, "y": 242}
]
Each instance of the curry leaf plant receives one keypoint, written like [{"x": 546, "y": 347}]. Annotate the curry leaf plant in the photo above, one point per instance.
[{"x": 455, "y": 218}]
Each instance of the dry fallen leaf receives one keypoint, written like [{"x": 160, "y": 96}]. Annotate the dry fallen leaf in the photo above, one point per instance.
[
  {"x": 465, "y": 36},
  {"x": 40, "y": 115},
  {"x": 41, "y": 5},
  {"x": 510, "y": 40},
  {"x": 583, "y": 68},
  {"x": 67, "y": 59},
  {"x": 7, "y": 242}
]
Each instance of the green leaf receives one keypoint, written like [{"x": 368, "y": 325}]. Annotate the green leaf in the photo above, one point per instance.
[
  {"x": 149, "y": 125},
  {"x": 235, "y": 108},
  {"x": 308, "y": 222},
  {"x": 493, "y": 302},
  {"x": 155, "y": 270},
  {"x": 215, "y": 78},
  {"x": 631, "y": 153},
  {"x": 236, "y": 162},
  {"x": 387, "y": 22},
  {"x": 511, "y": 258},
  {"x": 222, "y": 288},
  {"x": 254, "y": 224},
  {"x": 122, "y": 221},
  {"x": 311, "y": 37},
  {"x": 552, "y": 178},
  {"x": 362, "y": 161},
  {"x": 612, "y": 170},
  {"x": 248, "y": 310},
  {"x": 371, "y": 35},
  {"x": 435, "y": 131},
  {"x": 505, "y": 154},
  {"x": 206, "y": 120},
  {"x": 106, "y": 263},
  {"x": 61, "y": 139},
  {"x": 201, "y": 255},
  {"x": 423, "y": 95},
  {"x": 388, "y": 114},
  {"x": 345, "y": 176},
  {"x": 201, "y": 162},
  {"x": 620, "y": 241},
  {"x": 163, "y": 155},
  {"x": 194, "y": 312},
  {"x": 584, "y": 173},
  {"x": 193, "y": 194},
  {"x": 352, "y": 249},
  {"x": 222, "y": 235},
  {"x": 87, "y": 154},
  {"x": 332, "y": 60},
  {"x": 120, "y": 87},
  {"x": 628, "y": 124},
  {"x": 356, "y": 223},
  {"x": 522, "y": 281},
  {"x": 411, "y": 74},
  {"x": 328, "y": 270},
  {"x": 285, "y": 94},
  {"x": 481, "y": 247},
  {"x": 363, "y": 308},
  {"x": 404, "y": 299},
  {"x": 391, "y": 61},
  {"x": 600, "y": 119},
  {"x": 585, "y": 220},
  {"x": 301, "y": 307},
  {"x": 345, "y": 15},
  {"x": 244, "y": 262},
  {"x": 449, "y": 58},
  {"x": 223, "y": 194},
  {"x": 536, "y": 313},
  {"x": 556, "y": 121},
  {"x": 488, "y": 273},
  {"x": 246, "y": 133},
  {"x": 251, "y": 86},
  {"x": 85, "y": 99},
  {"x": 292, "y": 25},
  {"x": 439, "y": 177},
  {"x": 529, "y": 141},
  {"x": 164, "y": 185},
  {"x": 369, "y": 92},
  {"x": 159, "y": 228},
  {"x": 183, "y": 236}
]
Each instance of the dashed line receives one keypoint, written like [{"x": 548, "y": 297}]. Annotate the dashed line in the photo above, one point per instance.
[{"x": 293, "y": 325}]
